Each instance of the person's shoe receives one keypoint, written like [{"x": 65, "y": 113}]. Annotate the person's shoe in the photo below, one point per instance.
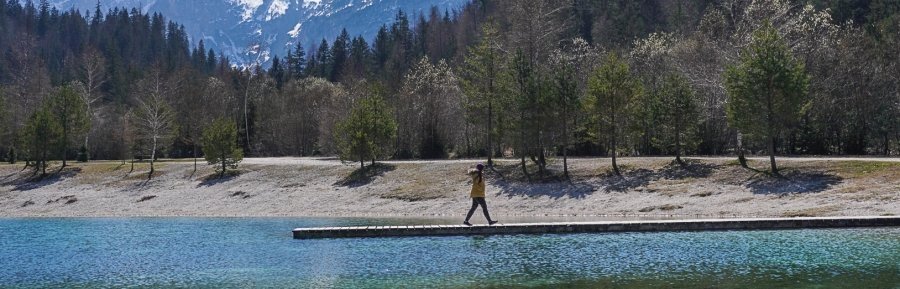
[
  {"x": 492, "y": 222},
  {"x": 467, "y": 223}
]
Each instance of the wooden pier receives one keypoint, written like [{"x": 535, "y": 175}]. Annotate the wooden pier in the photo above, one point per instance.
[{"x": 597, "y": 227}]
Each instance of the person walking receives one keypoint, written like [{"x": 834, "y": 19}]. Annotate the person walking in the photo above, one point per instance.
[{"x": 477, "y": 195}]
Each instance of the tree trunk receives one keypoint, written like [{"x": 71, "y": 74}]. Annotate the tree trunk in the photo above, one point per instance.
[
  {"x": 490, "y": 150},
  {"x": 195, "y": 158},
  {"x": 65, "y": 142},
  {"x": 468, "y": 138},
  {"x": 613, "y": 144},
  {"x": 246, "y": 117},
  {"x": 43, "y": 164},
  {"x": 26, "y": 164},
  {"x": 522, "y": 144},
  {"x": 542, "y": 161},
  {"x": 400, "y": 149},
  {"x": 678, "y": 149},
  {"x": 222, "y": 174},
  {"x": 771, "y": 128},
  {"x": 614, "y": 165},
  {"x": 772, "y": 154},
  {"x": 90, "y": 122},
  {"x": 740, "y": 150},
  {"x": 490, "y": 107},
  {"x": 565, "y": 145},
  {"x": 152, "y": 159}
]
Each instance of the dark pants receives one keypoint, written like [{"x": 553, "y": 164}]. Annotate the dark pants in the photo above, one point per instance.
[{"x": 475, "y": 203}]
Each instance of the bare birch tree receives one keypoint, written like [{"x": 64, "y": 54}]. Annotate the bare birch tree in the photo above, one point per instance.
[
  {"x": 153, "y": 118},
  {"x": 93, "y": 76}
]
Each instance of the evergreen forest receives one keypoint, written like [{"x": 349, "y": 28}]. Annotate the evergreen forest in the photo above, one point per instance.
[{"x": 534, "y": 80}]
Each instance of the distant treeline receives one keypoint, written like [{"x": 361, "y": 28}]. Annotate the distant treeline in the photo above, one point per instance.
[{"x": 492, "y": 78}]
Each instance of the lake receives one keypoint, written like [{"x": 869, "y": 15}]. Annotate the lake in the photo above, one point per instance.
[{"x": 259, "y": 252}]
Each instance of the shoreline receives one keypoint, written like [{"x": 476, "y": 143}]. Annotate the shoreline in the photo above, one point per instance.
[
  {"x": 651, "y": 188},
  {"x": 404, "y": 216}
]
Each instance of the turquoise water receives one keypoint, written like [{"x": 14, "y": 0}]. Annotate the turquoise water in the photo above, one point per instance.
[{"x": 253, "y": 253}]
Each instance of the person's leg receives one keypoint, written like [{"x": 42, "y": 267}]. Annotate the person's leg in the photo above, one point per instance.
[
  {"x": 484, "y": 208},
  {"x": 471, "y": 211}
]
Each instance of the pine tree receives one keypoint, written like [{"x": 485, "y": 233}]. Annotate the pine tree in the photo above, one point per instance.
[
  {"x": 211, "y": 61},
  {"x": 481, "y": 73},
  {"x": 612, "y": 91},
  {"x": 199, "y": 56},
  {"x": 339, "y": 55},
  {"x": 532, "y": 101},
  {"x": 677, "y": 115},
  {"x": 566, "y": 103},
  {"x": 43, "y": 22},
  {"x": 381, "y": 48},
  {"x": 767, "y": 89},
  {"x": 4, "y": 127},
  {"x": 297, "y": 62},
  {"x": 276, "y": 71},
  {"x": 70, "y": 112},
  {"x": 220, "y": 145},
  {"x": 368, "y": 131},
  {"x": 402, "y": 54},
  {"x": 42, "y": 133},
  {"x": 360, "y": 59},
  {"x": 324, "y": 60},
  {"x": 523, "y": 74}
]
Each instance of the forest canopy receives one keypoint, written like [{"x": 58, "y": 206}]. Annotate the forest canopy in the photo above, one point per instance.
[{"x": 490, "y": 79}]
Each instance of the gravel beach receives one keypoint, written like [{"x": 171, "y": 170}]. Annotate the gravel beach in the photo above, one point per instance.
[{"x": 274, "y": 187}]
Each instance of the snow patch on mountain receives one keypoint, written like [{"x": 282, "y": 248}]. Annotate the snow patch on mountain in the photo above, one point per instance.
[
  {"x": 311, "y": 3},
  {"x": 251, "y": 32},
  {"x": 276, "y": 9},
  {"x": 296, "y": 31},
  {"x": 249, "y": 6},
  {"x": 365, "y": 4},
  {"x": 338, "y": 10}
]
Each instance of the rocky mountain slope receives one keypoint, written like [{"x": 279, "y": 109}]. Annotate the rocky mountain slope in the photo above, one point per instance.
[{"x": 252, "y": 31}]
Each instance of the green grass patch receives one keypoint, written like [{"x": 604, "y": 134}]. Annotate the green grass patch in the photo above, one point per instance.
[
  {"x": 105, "y": 167},
  {"x": 862, "y": 168}
]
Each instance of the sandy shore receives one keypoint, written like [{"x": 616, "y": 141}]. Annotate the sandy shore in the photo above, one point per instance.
[{"x": 708, "y": 187}]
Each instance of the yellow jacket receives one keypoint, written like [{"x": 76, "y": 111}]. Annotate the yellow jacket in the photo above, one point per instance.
[{"x": 477, "y": 185}]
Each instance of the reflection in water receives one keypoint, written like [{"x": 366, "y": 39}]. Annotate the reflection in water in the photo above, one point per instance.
[{"x": 253, "y": 252}]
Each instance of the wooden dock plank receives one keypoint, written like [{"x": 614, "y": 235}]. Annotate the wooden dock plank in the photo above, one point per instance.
[{"x": 596, "y": 227}]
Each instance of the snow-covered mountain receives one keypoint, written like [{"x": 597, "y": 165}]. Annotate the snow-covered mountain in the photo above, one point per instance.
[{"x": 252, "y": 31}]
